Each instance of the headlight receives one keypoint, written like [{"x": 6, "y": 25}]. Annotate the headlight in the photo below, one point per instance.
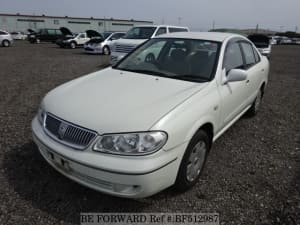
[
  {"x": 41, "y": 115},
  {"x": 131, "y": 143}
]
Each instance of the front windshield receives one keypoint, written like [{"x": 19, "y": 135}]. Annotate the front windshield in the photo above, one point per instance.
[
  {"x": 140, "y": 33},
  {"x": 186, "y": 59},
  {"x": 106, "y": 34}
]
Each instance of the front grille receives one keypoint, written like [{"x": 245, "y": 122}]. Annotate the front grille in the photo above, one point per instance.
[
  {"x": 68, "y": 133},
  {"x": 125, "y": 48}
]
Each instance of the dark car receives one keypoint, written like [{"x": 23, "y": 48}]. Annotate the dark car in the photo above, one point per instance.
[
  {"x": 45, "y": 35},
  {"x": 262, "y": 43}
]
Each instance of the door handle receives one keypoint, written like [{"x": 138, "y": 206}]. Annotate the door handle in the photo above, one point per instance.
[
  {"x": 247, "y": 81},
  {"x": 262, "y": 70}
]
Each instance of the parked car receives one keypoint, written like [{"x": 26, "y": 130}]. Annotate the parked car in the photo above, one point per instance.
[
  {"x": 163, "y": 113},
  {"x": 6, "y": 39},
  {"x": 18, "y": 35},
  {"x": 138, "y": 35},
  {"x": 262, "y": 43},
  {"x": 50, "y": 35},
  {"x": 102, "y": 46},
  {"x": 70, "y": 40},
  {"x": 285, "y": 40}
]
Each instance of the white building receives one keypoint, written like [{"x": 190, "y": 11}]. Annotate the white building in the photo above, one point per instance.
[{"x": 18, "y": 22}]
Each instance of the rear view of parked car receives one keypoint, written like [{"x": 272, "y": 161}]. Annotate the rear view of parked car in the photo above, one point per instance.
[
  {"x": 138, "y": 35},
  {"x": 102, "y": 46},
  {"x": 17, "y": 35},
  {"x": 6, "y": 39},
  {"x": 262, "y": 43}
]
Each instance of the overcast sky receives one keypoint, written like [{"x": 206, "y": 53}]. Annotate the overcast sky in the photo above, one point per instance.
[{"x": 197, "y": 14}]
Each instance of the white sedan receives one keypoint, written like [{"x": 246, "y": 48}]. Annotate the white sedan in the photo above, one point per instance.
[{"x": 149, "y": 122}]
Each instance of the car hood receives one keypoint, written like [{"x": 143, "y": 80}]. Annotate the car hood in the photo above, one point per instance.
[
  {"x": 112, "y": 101},
  {"x": 93, "y": 33},
  {"x": 259, "y": 40},
  {"x": 65, "y": 31},
  {"x": 31, "y": 31},
  {"x": 131, "y": 42}
]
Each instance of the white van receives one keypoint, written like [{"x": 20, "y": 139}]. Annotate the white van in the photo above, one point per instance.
[{"x": 138, "y": 35}]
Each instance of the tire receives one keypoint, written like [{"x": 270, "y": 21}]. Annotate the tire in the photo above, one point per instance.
[
  {"x": 5, "y": 43},
  {"x": 196, "y": 153},
  {"x": 106, "y": 50},
  {"x": 256, "y": 104},
  {"x": 73, "y": 45}
]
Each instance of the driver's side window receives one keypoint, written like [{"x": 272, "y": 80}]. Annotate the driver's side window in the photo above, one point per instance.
[{"x": 233, "y": 58}]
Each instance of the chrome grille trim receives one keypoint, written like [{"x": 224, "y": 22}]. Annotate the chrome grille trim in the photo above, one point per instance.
[
  {"x": 125, "y": 48},
  {"x": 68, "y": 133}
]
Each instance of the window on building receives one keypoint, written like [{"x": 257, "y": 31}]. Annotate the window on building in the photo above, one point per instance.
[{"x": 56, "y": 22}]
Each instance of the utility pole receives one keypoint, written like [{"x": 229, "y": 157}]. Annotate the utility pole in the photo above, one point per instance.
[
  {"x": 213, "y": 25},
  {"x": 296, "y": 29},
  {"x": 179, "y": 20}
]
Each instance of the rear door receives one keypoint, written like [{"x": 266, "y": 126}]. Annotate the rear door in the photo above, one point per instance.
[{"x": 254, "y": 69}]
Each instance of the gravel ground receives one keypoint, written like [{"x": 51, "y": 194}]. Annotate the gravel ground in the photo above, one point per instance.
[{"x": 252, "y": 175}]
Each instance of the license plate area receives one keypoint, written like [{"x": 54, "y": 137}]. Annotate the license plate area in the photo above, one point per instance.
[{"x": 60, "y": 162}]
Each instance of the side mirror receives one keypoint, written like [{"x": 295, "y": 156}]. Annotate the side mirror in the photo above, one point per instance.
[{"x": 236, "y": 75}]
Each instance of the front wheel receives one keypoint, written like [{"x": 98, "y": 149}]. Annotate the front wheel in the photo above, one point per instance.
[
  {"x": 193, "y": 161},
  {"x": 106, "y": 50},
  {"x": 5, "y": 43},
  {"x": 73, "y": 45}
]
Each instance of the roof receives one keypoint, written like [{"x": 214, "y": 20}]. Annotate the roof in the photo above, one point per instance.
[
  {"x": 159, "y": 25},
  {"x": 213, "y": 36},
  {"x": 79, "y": 18}
]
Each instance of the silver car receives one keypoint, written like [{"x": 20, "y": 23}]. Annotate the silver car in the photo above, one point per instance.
[{"x": 6, "y": 39}]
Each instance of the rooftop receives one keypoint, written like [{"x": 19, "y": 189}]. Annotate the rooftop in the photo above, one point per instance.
[
  {"x": 213, "y": 36},
  {"x": 69, "y": 17}
]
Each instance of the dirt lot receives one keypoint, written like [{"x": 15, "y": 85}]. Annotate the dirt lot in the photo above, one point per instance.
[{"x": 252, "y": 175}]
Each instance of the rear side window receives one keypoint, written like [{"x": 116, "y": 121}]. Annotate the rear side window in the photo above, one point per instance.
[
  {"x": 256, "y": 55},
  {"x": 175, "y": 29},
  {"x": 233, "y": 58},
  {"x": 58, "y": 32},
  {"x": 248, "y": 53},
  {"x": 161, "y": 30},
  {"x": 51, "y": 32},
  {"x": 117, "y": 36},
  {"x": 2, "y": 33}
]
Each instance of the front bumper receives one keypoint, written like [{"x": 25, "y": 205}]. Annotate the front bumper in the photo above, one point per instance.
[
  {"x": 93, "y": 50},
  {"x": 131, "y": 177}
]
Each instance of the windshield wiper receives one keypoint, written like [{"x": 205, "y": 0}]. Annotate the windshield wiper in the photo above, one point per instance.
[
  {"x": 150, "y": 72},
  {"x": 191, "y": 78}
]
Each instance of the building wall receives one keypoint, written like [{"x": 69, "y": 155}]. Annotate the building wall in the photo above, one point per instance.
[{"x": 23, "y": 22}]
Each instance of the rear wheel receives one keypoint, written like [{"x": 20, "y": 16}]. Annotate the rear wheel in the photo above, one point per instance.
[
  {"x": 193, "y": 161},
  {"x": 106, "y": 50},
  {"x": 5, "y": 43}
]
